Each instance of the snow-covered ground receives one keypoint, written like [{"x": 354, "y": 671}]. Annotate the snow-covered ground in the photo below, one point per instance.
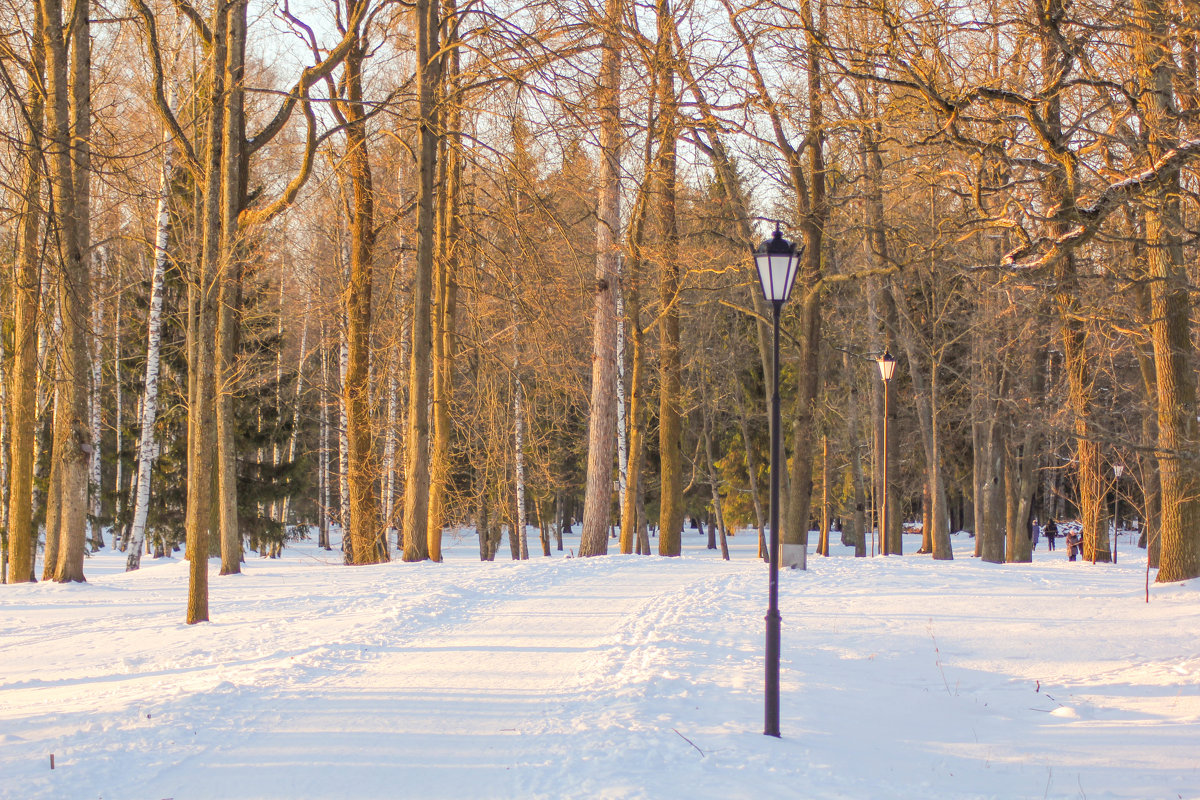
[{"x": 617, "y": 677}]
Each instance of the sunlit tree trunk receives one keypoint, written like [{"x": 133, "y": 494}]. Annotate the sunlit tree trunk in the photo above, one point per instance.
[
  {"x": 22, "y": 539},
  {"x": 68, "y": 93},
  {"x": 367, "y": 535},
  {"x": 233, "y": 180},
  {"x": 416, "y": 486},
  {"x": 666, "y": 236},
  {"x": 445, "y": 298},
  {"x": 202, "y": 364},
  {"x": 1170, "y": 329},
  {"x": 602, "y": 418},
  {"x": 1059, "y": 189}
]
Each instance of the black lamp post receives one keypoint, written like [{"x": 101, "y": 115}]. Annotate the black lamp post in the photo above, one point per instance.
[
  {"x": 887, "y": 367},
  {"x": 777, "y": 260}
]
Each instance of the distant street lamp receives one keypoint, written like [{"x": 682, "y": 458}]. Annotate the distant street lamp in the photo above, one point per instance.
[
  {"x": 1118, "y": 471},
  {"x": 777, "y": 261},
  {"x": 887, "y": 367}
]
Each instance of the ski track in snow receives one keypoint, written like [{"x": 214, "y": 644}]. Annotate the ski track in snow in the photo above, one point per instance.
[{"x": 618, "y": 677}]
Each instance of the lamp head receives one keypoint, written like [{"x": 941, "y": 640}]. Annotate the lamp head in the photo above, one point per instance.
[
  {"x": 887, "y": 365},
  {"x": 777, "y": 261}
]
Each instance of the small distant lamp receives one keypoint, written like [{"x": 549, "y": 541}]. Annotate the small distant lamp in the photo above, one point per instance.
[{"x": 887, "y": 368}]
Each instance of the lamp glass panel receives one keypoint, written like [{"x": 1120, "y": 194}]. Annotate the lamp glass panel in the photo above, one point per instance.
[
  {"x": 762, "y": 261},
  {"x": 780, "y": 263}
]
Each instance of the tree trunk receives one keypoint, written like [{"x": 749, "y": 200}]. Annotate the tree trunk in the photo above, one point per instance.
[
  {"x": 602, "y": 415},
  {"x": 202, "y": 365},
  {"x": 636, "y": 448},
  {"x": 70, "y": 168},
  {"x": 367, "y": 535},
  {"x": 1170, "y": 329},
  {"x": 814, "y": 213},
  {"x": 751, "y": 467},
  {"x": 22, "y": 537},
  {"x": 323, "y": 457},
  {"x": 858, "y": 533},
  {"x": 714, "y": 485},
  {"x": 416, "y": 488},
  {"x": 347, "y": 543},
  {"x": 94, "y": 411},
  {"x": 445, "y": 289},
  {"x": 146, "y": 442},
  {"x": 233, "y": 180},
  {"x": 518, "y": 390},
  {"x": 291, "y": 445},
  {"x": 625, "y": 535},
  {"x": 670, "y": 389}
]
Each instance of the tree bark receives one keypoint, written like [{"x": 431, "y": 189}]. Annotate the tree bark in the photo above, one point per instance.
[
  {"x": 445, "y": 288},
  {"x": 367, "y": 535},
  {"x": 814, "y": 214},
  {"x": 602, "y": 418},
  {"x": 1170, "y": 329},
  {"x": 69, "y": 156},
  {"x": 233, "y": 181},
  {"x": 416, "y": 488},
  {"x": 670, "y": 387},
  {"x": 22, "y": 537},
  {"x": 202, "y": 364},
  {"x": 146, "y": 441},
  {"x": 751, "y": 467}
]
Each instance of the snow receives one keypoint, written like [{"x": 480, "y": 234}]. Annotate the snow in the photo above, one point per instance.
[{"x": 616, "y": 677}]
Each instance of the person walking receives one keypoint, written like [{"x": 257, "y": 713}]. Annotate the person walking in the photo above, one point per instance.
[
  {"x": 1035, "y": 533},
  {"x": 1051, "y": 533}
]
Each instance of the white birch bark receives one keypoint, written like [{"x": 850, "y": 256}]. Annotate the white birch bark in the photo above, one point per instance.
[
  {"x": 146, "y": 444},
  {"x": 519, "y": 444},
  {"x": 119, "y": 421},
  {"x": 94, "y": 410},
  {"x": 279, "y": 507},
  {"x": 389, "y": 451},
  {"x": 4, "y": 470},
  {"x": 622, "y": 431},
  {"x": 343, "y": 440},
  {"x": 323, "y": 454}
]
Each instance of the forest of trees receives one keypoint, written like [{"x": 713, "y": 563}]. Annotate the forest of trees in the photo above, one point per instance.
[{"x": 392, "y": 268}]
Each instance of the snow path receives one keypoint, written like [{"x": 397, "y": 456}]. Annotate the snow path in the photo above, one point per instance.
[{"x": 617, "y": 677}]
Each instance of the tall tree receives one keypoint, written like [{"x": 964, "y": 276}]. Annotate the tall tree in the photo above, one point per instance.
[
  {"x": 22, "y": 539},
  {"x": 68, "y": 96},
  {"x": 1171, "y": 328},
  {"x": 602, "y": 417},
  {"x": 416, "y": 487}
]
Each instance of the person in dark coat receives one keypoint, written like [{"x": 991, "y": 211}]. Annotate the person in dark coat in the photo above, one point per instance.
[{"x": 1051, "y": 532}]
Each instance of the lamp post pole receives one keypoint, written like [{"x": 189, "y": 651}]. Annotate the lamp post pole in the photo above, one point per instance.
[
  {"x": 776, "y": 261},
  {"x": 771, "y": 716}
]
